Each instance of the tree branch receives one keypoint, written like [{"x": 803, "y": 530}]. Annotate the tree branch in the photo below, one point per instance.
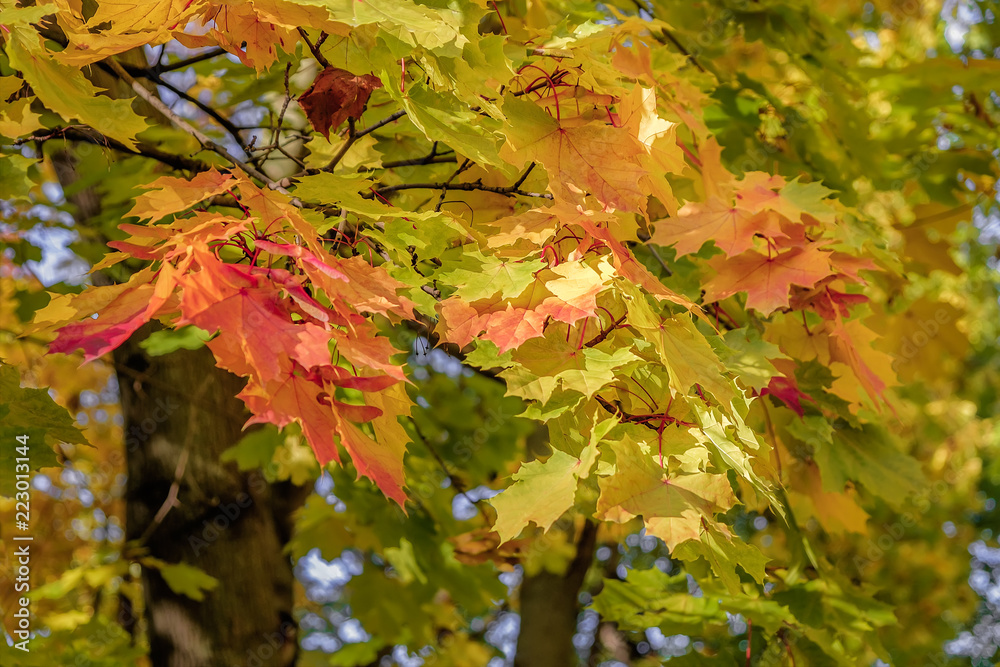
[
  {"x": 317, "y": 54},
  {"x": 183, "y": 125},
  {"x": 348, "y": 142},
  {"x": 385, "y": 121},
  {"x": 91, "y": 136},
  {"x": 606, "y": 332},
  {"x": 680, "y": 47},
  {"x": 467, "y": 187},
  {"x": 224, "y": 122},
  {"x": 187, "y": 62}
]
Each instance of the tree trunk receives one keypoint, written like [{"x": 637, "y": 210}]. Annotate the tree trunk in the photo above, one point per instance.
[
  {"x": 549, "y": 609},
  {"x": 180, "y": 414}
]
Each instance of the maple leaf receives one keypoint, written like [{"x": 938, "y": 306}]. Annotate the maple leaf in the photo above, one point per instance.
[
  {"x": 167, "y": 195},
  {"x": 827, "y": 302},
  {"x": 628, "y": 267},
  {"x": 786, "y": 389},
  {"x": 363, "y": 347},
  {"x": 566, "y": 293},
  {"x": 251, "y": 37},
  {"x": 731, "y": 228},
  {"x": 125, "y": 308},
  {"x": 851, "y": 344},
  {"x": 658, "y": 137},
  {"x": 544, "y": 364},
  {"x": 335, "y": 96},
  {"x": 838, "y": 512},
  {"x": 592, "y": 158},
  {"x": 542, "y": 492},
  {"x": 682, "y": 349},
  {"x": 766, "y": 280},
  {"x": 672, "y": 505},
  {"x": 295, "y": 395},
  {"x": 256, "y": 325},
  {"x": 60, "y": 87},
  {"x": 725, "y": 552},
  {"x": 351, "y": 284},
  {"x": 535, "y": 227},
  {"x": 381, "y": 462},
  {"x": 479, "y": 276}
]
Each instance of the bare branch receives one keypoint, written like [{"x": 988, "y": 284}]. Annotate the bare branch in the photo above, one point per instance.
[
  {"x": 467, "y": 187},
  {"x": 317, "y": 54},
  {"x": 183, "y": 125},
  {"x": 91, "y": 136}
]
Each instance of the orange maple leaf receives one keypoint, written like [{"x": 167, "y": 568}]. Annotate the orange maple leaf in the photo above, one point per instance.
[
  {"x": 301, "y": 397},
  {"x": 592, "y": 158},
  {"x": 766, "y": 280},
  {"x": 167, "y": 195}
]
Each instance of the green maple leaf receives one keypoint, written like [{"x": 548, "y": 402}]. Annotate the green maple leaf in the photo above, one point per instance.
[
  {"x": 867, "y": 455},
  {"x": 32, "y": 413},
  {"x": 542, "y": 492},
  {"x": 685, "y": 352},
  {"x": 480, "y": 276},
  {"x": 545, "y": 364},
  {"x": 725, "y": 553},
  {"x": 672, "y": 506}
]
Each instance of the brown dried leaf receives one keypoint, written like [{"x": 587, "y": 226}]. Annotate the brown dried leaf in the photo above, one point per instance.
[{"x": 335, "y": 96}]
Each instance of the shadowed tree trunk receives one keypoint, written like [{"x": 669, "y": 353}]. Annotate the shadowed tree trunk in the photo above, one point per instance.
[
  {"x": 180, "y": 415},
  {"x": 549, "y": 608}
]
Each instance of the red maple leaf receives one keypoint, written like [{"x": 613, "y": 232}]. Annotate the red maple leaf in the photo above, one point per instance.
[
  {"x": 258, "y": 330},
  {"x": 303, "y": 397},
  {"x": 113, "y": 325}
]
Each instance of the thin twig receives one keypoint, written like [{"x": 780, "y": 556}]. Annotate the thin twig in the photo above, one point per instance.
[
  {"x": 385, "y": 121},
  {"x": 599, "y": 338},
  {"x": 276, "y": 126},
  {"x": 466, "y": 187},
  {"x": 524, "y": 176},
  {"x": 456, "y": 483},
  {"x": 659, "y": 259},
  {"x": 183, "y": 125},
  {"x": 187, "y": 62},
  {"x": 317, "y": 54},
  {"x": 417, "y": 162},
  {"x": 444, "y": 191},
  {"x": 348, "y": 142}
]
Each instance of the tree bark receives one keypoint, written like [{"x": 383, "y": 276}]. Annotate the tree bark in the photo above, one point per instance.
[
  {"x": 180, "y": 414},
  {"x": 549, "y": 608}
]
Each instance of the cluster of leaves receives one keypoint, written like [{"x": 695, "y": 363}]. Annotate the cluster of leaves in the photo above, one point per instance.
[{"x": 697, "y": 336}]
